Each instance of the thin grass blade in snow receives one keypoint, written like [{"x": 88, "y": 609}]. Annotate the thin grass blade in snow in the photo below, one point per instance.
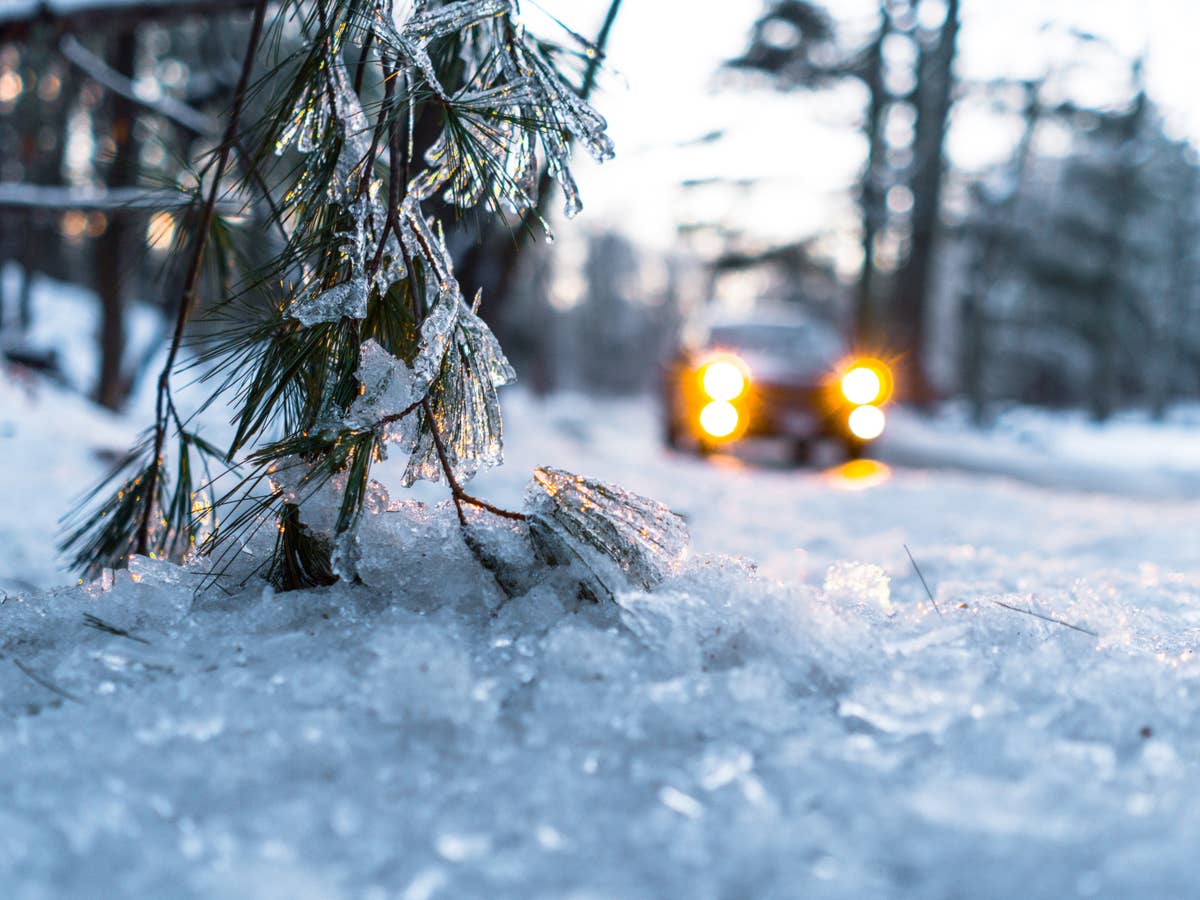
[{"x": 606, "y": 526}]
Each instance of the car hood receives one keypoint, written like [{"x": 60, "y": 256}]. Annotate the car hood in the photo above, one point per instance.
[{"x": 767, "y": 369}]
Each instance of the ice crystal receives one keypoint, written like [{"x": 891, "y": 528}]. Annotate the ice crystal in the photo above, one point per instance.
[
  {"x": 608, "y": 529},
  {"x": 347, "y": 299},
  {"x": 411, "y": 36},
  {"x": 466, "y": 410},
  {"x": 389, "y": 387}
]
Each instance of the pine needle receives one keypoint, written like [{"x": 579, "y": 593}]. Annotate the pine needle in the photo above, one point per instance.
[
  {"x": 924, "y": 584},
  {"x": 44, "y": 682},
  {"x": 1044, "y": 618},
  {"x": 100, "y": 625}
]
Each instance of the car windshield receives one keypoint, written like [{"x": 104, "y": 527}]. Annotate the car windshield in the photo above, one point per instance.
[{"x": 797, "y": 342}]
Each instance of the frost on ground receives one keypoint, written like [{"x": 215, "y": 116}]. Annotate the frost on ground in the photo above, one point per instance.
[
  {"x": 725, "y": 734},
  {"x": 809, "y": 728}
]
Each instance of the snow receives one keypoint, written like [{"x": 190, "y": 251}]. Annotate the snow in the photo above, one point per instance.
[{"x": 795, "y": 721}]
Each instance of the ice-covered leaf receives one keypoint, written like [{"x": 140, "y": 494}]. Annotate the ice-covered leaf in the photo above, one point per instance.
[{"x": 607, "y": 528}]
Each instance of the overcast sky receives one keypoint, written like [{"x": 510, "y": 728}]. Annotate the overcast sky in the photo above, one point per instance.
[{"x": 662, "y": 91}]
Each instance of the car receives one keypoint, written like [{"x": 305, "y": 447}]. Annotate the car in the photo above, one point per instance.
[{"x": 793, "y": 380}]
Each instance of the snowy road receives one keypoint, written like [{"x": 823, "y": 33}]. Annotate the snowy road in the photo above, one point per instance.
[{"x": 812, "y": 729}]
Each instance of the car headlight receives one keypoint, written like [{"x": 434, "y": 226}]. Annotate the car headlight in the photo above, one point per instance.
[
  {"x": 719, "y": 419},
  {"x": 866, "y": 422},
  {"x": 862, "y": 385},
  {"x": 723, "y": 380}
]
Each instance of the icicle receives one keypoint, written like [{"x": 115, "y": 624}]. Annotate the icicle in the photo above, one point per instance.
[
  {"x": 574, "y": 113},
  {"x": 466, "y": 409},
  {"x": 607, "y": 528},
  {"x": 356, "y": 129},
  {"x": 413, "y": 36}
]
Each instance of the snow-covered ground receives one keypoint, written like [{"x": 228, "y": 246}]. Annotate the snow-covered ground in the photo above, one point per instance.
[{"x": 787, "y": 716}]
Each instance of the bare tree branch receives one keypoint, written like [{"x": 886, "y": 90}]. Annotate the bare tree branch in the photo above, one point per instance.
[
  {"x": 104, "y": 74},
  {"x": 15, "y": 195},
  {"x": 17, "y": 17}
]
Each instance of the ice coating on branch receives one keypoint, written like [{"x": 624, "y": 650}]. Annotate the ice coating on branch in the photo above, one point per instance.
[
  {"x": 571, "y": 111},
  {"x": 487, "y": 153},
  {"x": 312, "y": 117},
  {"x": 308, "y": 124},
  {"x": 359, "y": 248},
  {"x": 466, "y": 409},
  {"x": 389, "y": 386},
  {"x": 412, "y": 34},
  {"x": 609, "y": 529},
  {"x": 356, "y": 128},
  {"x": 348, "y": 299}
]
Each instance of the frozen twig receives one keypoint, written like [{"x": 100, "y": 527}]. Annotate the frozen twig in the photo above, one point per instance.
[{"x": 456, "y": 490}]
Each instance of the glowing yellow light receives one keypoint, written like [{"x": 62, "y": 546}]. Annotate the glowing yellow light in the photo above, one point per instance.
[
  {"x": 160, "y": 232},
  {"x": 866, "y": 422},
  {"x": 10, "y": 86},
  {"x": 862, "y": 384},
  {"x": 858, "y": 474},
  {"x": 719, "y": 419},
  {"x": 73, "y": 226},
  {"x": 723, "y": 380}
]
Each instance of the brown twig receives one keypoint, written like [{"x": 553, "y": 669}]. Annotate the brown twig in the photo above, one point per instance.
[
  {"x": 193, "y": 274},
  {"x": 108, "y": 628},
  {"x": 456, "y": 490}
]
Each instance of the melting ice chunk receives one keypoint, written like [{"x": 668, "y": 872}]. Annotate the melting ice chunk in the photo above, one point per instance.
[{"x": 603, "y": 525}]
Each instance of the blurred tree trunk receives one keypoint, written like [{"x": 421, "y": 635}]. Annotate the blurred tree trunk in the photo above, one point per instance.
[
  {"x": 1180, "y": 294},
  {"x": 867, "y": 330},
  {"x": 993, "y": 249},
  {"x": 1116, "y": 293},
  {"x": 113, "y": 247},
  {"x": 490, "y": 260},
  {"x": 41, "y": 124},
  {"x": 935, "y": 82}
]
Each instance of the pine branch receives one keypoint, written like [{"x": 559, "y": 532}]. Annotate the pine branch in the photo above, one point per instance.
[
  {"x": 367, "y": 323},
  {"x": 187, "y": 297}
]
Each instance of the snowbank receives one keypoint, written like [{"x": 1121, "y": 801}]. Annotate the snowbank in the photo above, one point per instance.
[
  {"x": 810, "y": 727},
  {"x": 805, "y": 724},
  {"x": 726, "y": 735}
]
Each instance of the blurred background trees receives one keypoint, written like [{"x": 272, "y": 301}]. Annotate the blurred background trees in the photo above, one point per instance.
[
  {"x": 1062, "y": 271},
  {"x": 99, "y": 104}
]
